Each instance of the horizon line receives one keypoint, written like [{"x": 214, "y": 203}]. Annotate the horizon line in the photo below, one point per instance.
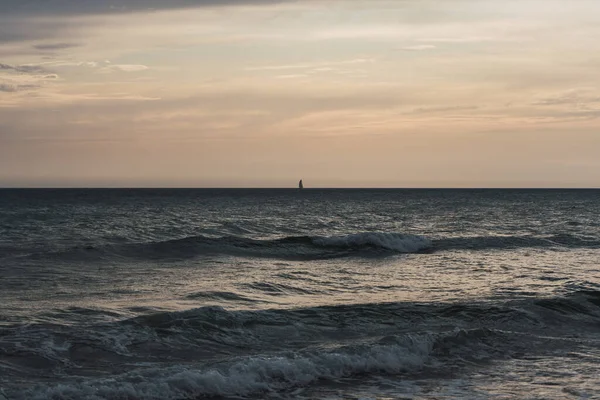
[{"x": 288, "y": 188}]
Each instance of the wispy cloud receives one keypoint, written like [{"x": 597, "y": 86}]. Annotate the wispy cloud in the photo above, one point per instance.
[
  {"x": 55, "y": 46},
  {"x": 64, "y": 63},
  {"x": 427, "y": 110},
  {"x": 48, "y": 66},
  {"x": 11, "y": 88},
  {"x": 321, "y": 66},
  {"x": 124, "y": 68},
  {"x": 419, "y": 47},
  {"x": 104, "y": 97},
  {"x": 573, "y": 97},
  {"x": 69, "y": 7},
  {"x": 291, "y": 76},
  {"x": 463, "y": 39},
  {"x": 25, "y": 77},
  {"x": 25, "y": 68}
]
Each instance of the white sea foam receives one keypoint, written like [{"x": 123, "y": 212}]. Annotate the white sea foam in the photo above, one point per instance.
[
  {"x": 402, "y": 243},
  {"x": 251, "y": 375}
]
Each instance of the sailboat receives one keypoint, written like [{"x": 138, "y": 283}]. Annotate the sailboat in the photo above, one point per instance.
[{"x": 300, "y": 185}]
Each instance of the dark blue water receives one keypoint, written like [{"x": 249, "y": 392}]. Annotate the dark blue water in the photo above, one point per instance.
[{"x": 181, "y": 294}]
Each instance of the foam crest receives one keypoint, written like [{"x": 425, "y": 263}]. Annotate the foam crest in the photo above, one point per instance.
[
  {"x": 251, "y": 375},
  {"x": 390, "y": 241}
]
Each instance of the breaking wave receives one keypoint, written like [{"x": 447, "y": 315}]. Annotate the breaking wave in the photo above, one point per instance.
[
  {"x": 365, "y": 244},
  {"x": 264, "y": 374},
  {"x": 278, "y": 350},
  {"x": 389, "y": 241},
  {"x": 291, "y": 247}
]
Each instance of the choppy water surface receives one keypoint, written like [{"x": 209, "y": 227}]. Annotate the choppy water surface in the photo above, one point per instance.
[{"x": 182, "y": 294}]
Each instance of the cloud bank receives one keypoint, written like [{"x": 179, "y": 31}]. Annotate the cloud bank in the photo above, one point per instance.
[{"x": 90, "y": 7}]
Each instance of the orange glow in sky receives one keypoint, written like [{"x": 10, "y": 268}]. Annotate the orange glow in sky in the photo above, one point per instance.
[{"x": 380, "y": 93}]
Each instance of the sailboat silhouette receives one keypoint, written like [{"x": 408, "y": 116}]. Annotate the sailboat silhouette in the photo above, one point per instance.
[{"x": 300, "y": 185}]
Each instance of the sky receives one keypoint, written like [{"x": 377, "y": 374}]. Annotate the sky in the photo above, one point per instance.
[{"x": 262, "y": 93}]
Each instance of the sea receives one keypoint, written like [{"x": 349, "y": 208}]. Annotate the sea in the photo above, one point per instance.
[{"x": 286, "y": 294}]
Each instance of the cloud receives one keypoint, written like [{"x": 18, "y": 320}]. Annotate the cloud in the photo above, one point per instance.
[
  {"x": 570, "y": 97},
  {"x": 25, "y": 77},
  {"x": 291, "y": 76},
  {"x": 26, "y": 72},
  {"x": 103, "y": 66},
  {"x": 317, "y": 66},
  {"x": 425, "y": 110},
  {"x": 124, "y": 68},
  {"x": 111, "y": 97},
  {"x": 24, "y": 68},
  {"x": 70, "y": 7},
  {"x": 12, "y": 88},
  {"x": 6, "y": 87},
  {"x": 16, "y": 28},
  {"x": 60, "y": 20},
  {"x": 55, "y": 46},
  {"x": 420, "y": 47},
  {"x": 61, "y": 63},
  {"x": 465, "y": 39}
]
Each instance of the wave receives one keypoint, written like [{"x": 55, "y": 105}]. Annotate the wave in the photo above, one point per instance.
[
  {"x": 221, "y": 352},
  {"x": 277, "y": 328},
  {"x": 365, "y": 244},
  {"x": 260, "y": 375},
  {"x": 277, "y": 289},
  {"x": 584, "y": 301},
  {"x": 290, "y": 247},
  {"x": 515, "y": 242},
  {"x": 400, "y": 243},
  {"x": 220, "y": 296}
]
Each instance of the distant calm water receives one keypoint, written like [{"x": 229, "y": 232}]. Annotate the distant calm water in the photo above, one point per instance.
[{"x": 185, "y": 294}]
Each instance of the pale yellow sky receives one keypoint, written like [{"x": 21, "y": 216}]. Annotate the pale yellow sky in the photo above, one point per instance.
[{"x": 379, "y": 93}]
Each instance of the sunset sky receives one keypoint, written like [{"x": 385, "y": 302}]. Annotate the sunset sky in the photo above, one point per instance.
[{"x": 347, "y": 93}]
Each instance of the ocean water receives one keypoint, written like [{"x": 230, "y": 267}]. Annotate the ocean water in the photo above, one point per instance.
[{"x": 318, "y": 294}]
